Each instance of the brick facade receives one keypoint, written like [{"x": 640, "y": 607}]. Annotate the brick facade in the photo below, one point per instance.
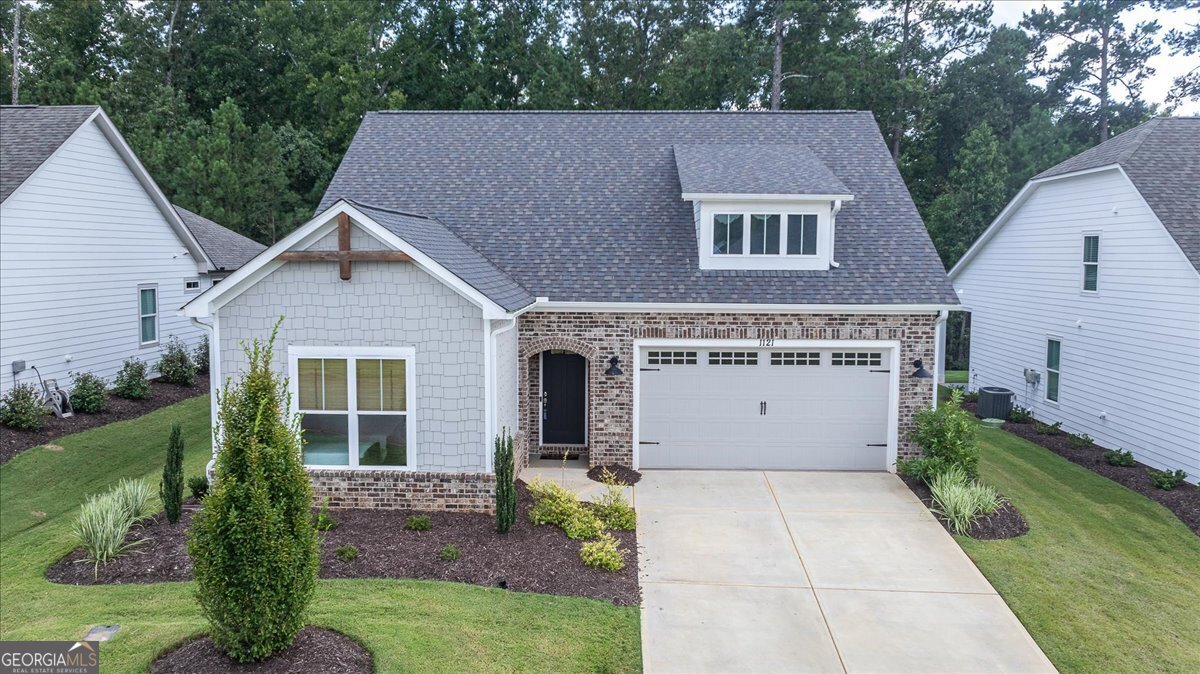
[
  {"x": 405, "y": 490},
  {"x": 598, "y": 336}
]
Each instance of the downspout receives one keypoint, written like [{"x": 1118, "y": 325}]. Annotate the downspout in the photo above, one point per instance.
[
  {"x": 939, "y": 352},
  {"x": 494, "y": 378},
  {"x": 214, "y": 378},
  {"x": 837, "y": 206}
]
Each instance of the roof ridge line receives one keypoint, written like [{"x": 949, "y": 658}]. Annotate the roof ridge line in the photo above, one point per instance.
[
  {"x": 1147, "y": 127},
  {"x": 835, "y": 111}
]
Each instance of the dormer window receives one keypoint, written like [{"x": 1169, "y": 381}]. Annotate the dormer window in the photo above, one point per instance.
[
  {"x": 727, "y": 234},
  {"x": 802, "y": 234},
  {"x": 767, "y": 236}
]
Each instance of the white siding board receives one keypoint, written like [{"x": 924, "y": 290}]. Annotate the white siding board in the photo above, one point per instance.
[{"x": 1135, "y": 356}]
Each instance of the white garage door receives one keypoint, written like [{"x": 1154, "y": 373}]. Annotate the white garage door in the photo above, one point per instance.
[{"x": 782, "y": 408}]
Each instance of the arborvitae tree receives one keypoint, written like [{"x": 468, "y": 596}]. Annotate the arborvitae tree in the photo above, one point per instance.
[
  {"x": 170, "y": 490},
  {"x": 254, "y": 545},
  {"x": 506, "y": 489}
]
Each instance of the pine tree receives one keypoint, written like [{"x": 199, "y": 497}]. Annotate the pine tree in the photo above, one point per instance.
[
  {"x": 170, "y": 490},
  {"x": 506, "y": 490}
]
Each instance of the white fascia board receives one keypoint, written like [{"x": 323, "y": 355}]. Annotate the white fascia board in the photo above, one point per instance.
[
  {"x": 723, "y": 196},
  {"x": 687, "y": 307}
]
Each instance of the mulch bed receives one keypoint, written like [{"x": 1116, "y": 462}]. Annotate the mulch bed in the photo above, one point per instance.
[
  {"x": 1007, "y": 522},
  {"x": 13, "y": 442},
  {"x": 316, "y": 650},
  {"x": 1183, "y": 500},
  {"x": 527, "y": 559},
  {"x": 624, "y": 475}
]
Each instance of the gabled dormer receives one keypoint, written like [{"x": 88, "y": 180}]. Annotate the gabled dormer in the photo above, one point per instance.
[{"x": 761, "y": 206}]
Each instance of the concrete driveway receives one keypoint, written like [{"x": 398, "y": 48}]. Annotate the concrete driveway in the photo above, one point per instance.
[{"x": 812, "y": 572}]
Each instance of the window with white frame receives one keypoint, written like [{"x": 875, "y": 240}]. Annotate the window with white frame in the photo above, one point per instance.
[
  {"x": 1053, "y": 360},
  {"x": 354, "y": 409},
  {"x": 191, "y": 285},
  {"x": 1091, "y": 262},
  {"x": 767, "y": 234},
  {"x": 148, "y": 314}
]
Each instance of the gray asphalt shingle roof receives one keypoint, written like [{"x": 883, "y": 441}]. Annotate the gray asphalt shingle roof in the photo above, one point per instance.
[
  {"x": 580, "y": 206},
  {"x": 1162, "y": 159},
  {"x": 29, "y": 134},
  {"x": 753, "y": 169},
  {"x": 227, "y": 249},
  {"x": 438, "y": 242}
]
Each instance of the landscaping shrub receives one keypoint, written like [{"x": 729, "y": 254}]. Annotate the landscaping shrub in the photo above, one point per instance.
[
  {"x": 200, "y": 356},
  {"x": 21, "y": 408},
  {"x": 1118, "y": 457},
  {"x": 87, "y": 393},
  {"x": 1166, "y": 479},
  {"x": 1047, "y": 429},
  {"x": 198, "y": 487},
  {"x": 170, "y": 490},
  {"x": 449, "y": 553},
  {"x": 346, "y": 553},
  {"x": 417, "y": 523},
  {"x": 614, "y": 510},
  {"x": 583, "y": 524},
  {"x": 554, "y": 504},
  {"x": 961, "y": 499},
  {"x": 946, "y": 436},
  {"x": 1080, "y": 441},
  {"x": 324, "y": 521},
  {"x": 134, "y": 498},
  {"x": 101, "y": 528},
  {"x": 1020, "y": 415},
  {"x": 970, "y": 397},
  {"x": 604, "y": 553},
  {"x": 176, "y": 366},
  {"x": 506, "y": 487},
  {"x": 253, "y": 544},
  {"x": 131, "y": 381}
]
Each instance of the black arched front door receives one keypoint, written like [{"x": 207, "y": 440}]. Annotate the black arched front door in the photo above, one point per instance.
[{"x": 564, "y": 398}]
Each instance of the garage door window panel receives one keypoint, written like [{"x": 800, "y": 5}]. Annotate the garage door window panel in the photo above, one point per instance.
[
  {"x": 795, "y": 358},
  {"x": 671, "y": 358},
  {"x": 732, "y": 358},
  {"x": 856, "y": 359}
]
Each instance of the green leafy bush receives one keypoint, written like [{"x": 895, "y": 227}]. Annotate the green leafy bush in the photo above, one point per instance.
[
  {"x": 134, "y": 497},
  {"x": 21, "y": 408},
  {"x": 88, "y": 394},
  {"x": 946, "y": 436},
  {"x": 253, "y": 544},
  {"x": 506, "y": 488},
  {"x": 614, "y": 510},
  {"x": 102, "y": 526},
  {"x": 554, "y": 504},
  {"x": 200, "y": 356},
  {"x": 417, "y": 523},
  {"x": 583, "y": 524},
  {"x": 346, "y": 553},
  {"x": 176, "y": 366},
  {"x": 1080, "y": 441},
  {"x": 170, "y": 490},
  {"x": 961, "y": 499},
  {"x": 603, "y": 553},
  {"x": 1020, "y": 415},
  {"x": 1047, "y": 429},
  {"x": 1119, "y": 457},
  {"x": 971, "y": 397},
  {"x": 449, "y": 553},
  {"x": 1166, "y": 479},
  {"x": 131, "y": 381},
  {"x": 324, "y": 521},
  {"x": 198, "y": 487}
]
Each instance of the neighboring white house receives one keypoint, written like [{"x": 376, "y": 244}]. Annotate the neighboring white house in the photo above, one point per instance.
[
  {"x": 94, "y": 261},
  {"x": 1088, "y": 282}
]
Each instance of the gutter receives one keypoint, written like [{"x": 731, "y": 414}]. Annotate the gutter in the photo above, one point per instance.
[
  {"x": 214, "y": 377},
  {"x": 939, "y": 352}
]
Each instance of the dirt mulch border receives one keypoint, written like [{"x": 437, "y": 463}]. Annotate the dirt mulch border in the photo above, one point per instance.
[
  {"x": 623, "y": 474},
  {"x": 13, "y": 441},
  {"x": 1183, "y": 501},
  {"x": 1007, "y": 522},
  {"x": 527, "y": 559},
  {"x": 316, "y": 650}
]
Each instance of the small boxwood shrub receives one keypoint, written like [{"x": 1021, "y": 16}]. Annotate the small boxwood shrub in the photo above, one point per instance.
[
  {"x": 200, "y": 356},
  {"x": 131, "y": 381},
  {"x": 1119, "y": 457},
  {"x": 176, "y": 366},
  {"x": 946, "y": 435},
  {"x": 198, "y": 487},
  {"x": 346, "y": 553},
  {"x": 1080, "y": 441},
  {"x": 449, "y": 553},
  {"x": 1020, "y": 415},
  {"x": 417, "y": 523},
  {"x": 1047, "y": 429},
  {"x": 1166, "y": 479},
  {"x": 21, "y": 408},
  {"x": 604, "y": 553},
  {"x": 88, "y": 394}
]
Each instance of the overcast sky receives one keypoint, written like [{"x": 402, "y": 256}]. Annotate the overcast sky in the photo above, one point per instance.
[{"x": 1167, "y": 67}]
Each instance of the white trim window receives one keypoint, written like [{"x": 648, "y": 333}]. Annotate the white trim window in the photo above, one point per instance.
[
  {"x": 767, "y": 236},
  {"x": 191, "y": 286},
  {"x": 1091, "y": 262},
  {"x": 354, "y": 398},
  {"x": 1053, "y": 365},
  {"x": 148, "y": 314}
]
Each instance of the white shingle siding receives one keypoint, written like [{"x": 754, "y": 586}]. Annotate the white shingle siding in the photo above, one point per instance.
[
  {"x": 1130, "y": 352},
  {"x": 76, "y": 241},
  {"x": 383, "y": 304}
]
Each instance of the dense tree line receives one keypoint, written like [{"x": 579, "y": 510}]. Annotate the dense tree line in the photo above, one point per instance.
[{"x": 242, "y": 109}]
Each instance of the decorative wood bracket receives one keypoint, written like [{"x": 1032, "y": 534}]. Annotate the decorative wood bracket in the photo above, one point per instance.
[{"x": 343, "y": 255}]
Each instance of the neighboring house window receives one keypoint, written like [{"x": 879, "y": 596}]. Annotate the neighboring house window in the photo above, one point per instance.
[
  {"x": 1091, "y": 262},
  {"x": 191, "y": 285},
  {"x": 727, "y": 235},
  {"x": 767, "y": 235},
  {"x": 148, "y": 314},
  {"x": 1053, "y": 357},
  {"x": 354, "y": 410}
]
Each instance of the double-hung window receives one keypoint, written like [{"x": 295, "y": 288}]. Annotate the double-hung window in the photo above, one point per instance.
[
  {"x": 148, "y": 314},
  {"x": 1053, "y": 360},
  {"x": 354, "y": 408},
  {"x": 791, "y": 234},
  {"x": 1091, "y": 262}
]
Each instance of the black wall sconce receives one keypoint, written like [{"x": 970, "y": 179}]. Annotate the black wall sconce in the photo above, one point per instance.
[
  {"x": 613, "y": 370},
  {"x": 921, "y": 372}
]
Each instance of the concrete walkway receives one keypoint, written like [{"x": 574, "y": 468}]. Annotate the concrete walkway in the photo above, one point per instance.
[{"x": 812, "y": 572}]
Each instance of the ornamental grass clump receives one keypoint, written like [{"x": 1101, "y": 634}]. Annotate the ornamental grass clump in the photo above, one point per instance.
[
  {"x": 101, "y": 527},
  {"x": 961, "y": 500},
  {"x": 253, "y": 545},
  {"x": 134, "y": 498}
]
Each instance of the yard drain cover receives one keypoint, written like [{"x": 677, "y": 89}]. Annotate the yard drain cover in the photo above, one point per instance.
[{"x": 101, "y": 633}]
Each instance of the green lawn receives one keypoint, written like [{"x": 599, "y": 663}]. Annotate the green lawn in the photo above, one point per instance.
[
  {"x": 1106, "y": 580},
  {"x": 956, "y": 376},
  {"x": 415, "y": 626}
]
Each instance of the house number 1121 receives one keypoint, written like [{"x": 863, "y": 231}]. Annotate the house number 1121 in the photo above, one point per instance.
[{"x": 766, "y": 341}]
